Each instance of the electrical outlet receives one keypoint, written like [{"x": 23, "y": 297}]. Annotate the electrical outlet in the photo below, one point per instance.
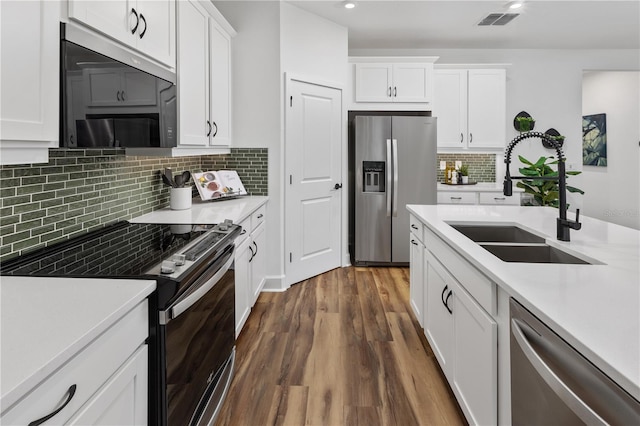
[
  {"x": 571, "y": 166},
  {"x": 443, "y": 165},
  {"x": 458, "y": 164}
]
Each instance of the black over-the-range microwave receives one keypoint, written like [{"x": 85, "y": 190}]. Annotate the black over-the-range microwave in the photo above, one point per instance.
[{"x": 110, "y": 97}]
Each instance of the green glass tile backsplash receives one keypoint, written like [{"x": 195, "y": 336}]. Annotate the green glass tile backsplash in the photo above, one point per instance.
[
  {"x": 482, "y": 167},
  {"x": 81, "y": 190}
]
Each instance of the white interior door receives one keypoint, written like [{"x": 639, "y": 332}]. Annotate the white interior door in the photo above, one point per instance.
[{"x": 313, "y": 161}]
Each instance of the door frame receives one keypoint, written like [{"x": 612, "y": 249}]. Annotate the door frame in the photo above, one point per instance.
[{"x": 290, "y": 78}]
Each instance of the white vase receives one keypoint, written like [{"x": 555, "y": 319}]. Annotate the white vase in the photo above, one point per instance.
[
  {"x": 180, "y": 198},
  {"x": 465, "y": 180}
]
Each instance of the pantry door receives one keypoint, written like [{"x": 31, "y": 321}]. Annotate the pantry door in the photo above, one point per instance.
[{"x": 313, "y": 179}]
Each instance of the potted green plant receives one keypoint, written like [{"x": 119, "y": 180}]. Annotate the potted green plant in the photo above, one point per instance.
[
  {"x": 464, "y": 172},
  {"x": 544, "y": 192},
  {"x": 525, "y": 124}
]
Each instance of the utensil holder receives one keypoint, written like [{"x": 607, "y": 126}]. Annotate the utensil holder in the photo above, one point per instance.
[{"x": 180, "y": 198}]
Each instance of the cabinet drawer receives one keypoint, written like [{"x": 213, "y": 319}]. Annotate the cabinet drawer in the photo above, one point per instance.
[
  {"x": 258, "y": 216},
  {"x": 472, "y": 280},
  {"x": 498, "y": 198},
  {"x": 88, "y": 370},
  {"x": 452, "y": 197},
  {"x": 416, "y": 227}
]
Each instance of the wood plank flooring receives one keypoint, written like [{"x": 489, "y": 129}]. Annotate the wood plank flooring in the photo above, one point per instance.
[{"x": 342, "y": 348}]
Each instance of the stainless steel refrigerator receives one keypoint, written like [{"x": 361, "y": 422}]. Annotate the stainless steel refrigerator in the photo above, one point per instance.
[{"x": 394, "y": 164}]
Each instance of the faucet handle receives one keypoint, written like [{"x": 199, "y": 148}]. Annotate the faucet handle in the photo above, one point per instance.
[{"x": 577, "y": 215}]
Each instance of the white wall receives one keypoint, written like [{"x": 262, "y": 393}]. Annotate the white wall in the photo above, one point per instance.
[
  {"x": 613, "y": 192},
  {"x": 545, "y": 83},
  {"x": 274, "y": 38}
]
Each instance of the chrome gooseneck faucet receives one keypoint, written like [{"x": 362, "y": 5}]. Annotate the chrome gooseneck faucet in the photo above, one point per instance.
[{"x": 563, "y": 224}]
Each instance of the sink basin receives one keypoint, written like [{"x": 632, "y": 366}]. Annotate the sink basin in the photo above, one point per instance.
[
  {"x": 533, "y": 253},
  {"x": 497, "y": 234}
]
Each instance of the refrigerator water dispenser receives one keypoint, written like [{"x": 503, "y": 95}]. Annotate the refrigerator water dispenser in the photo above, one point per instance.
[{"x": 373, "y": 173}]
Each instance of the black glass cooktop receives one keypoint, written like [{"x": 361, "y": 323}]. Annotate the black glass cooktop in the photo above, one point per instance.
[{"x": 119, "y": 250}]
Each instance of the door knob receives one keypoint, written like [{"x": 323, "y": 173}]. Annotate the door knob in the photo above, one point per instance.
[{"x": 337, "y": 186}]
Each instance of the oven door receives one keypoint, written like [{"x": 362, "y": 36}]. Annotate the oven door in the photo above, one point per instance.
[{"x": 199, "y": 335}]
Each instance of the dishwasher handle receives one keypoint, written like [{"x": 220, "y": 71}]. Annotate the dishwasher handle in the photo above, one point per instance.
[{"x": 573, "y": 401}]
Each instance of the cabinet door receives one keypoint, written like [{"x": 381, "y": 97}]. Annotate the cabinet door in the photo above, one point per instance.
[
  {"x": 412, "y": 82},
  {"x": 156, "y": 32},
  {"x": 475, "y": 377},
  {"x": 374, "y": 82},
  {"x": 243, "y": 283},
  {"x": 220, "y": 81},
  {"x": 122, "y": 400},
  {"x": 487, "y": 108},
  {"x": 193, "y": 74},
  {"x": 113, "y": 18},
  {"x": 259, "y": 262},
  {"x": 450, "y": 107},
  {"x": 439, "y": 318},
  {"x": 29, "y": 73},
  {"x": 416, "y": 285}
]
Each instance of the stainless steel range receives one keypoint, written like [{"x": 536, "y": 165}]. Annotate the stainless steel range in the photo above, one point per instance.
[{"x": 192, "y": 312}]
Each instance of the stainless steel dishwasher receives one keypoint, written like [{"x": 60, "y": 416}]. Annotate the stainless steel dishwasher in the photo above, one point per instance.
[{"x": 553, "y": 384}]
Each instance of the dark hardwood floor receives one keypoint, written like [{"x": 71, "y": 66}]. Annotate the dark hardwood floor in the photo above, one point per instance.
[{"x": 342, "y": 348}]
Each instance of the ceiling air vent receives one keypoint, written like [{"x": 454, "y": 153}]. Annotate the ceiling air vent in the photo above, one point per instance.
[{"x": 498, "y": 19}]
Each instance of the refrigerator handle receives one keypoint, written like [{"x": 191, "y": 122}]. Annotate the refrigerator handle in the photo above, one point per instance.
[
  {"x": 389, "y": 182},
  {"x": 395, "y": 177}
]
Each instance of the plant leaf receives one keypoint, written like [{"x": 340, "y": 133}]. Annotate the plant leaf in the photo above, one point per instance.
[{"x": 524, "y": 160}]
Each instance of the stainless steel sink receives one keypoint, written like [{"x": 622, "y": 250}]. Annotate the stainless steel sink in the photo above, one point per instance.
[
  {"x": 497, "y": 234},
  {"x": 532, "y": 253}
]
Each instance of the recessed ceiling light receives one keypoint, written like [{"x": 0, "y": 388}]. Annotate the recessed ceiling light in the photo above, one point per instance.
[
  {"x": 515, "y": 4},
  {"x": 349, "y": 4}
]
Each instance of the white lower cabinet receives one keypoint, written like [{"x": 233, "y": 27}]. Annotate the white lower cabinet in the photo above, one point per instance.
[
  {"x": 250, "y": 265},
  {"x": 463, "y": 337},
  {"x": 103, "y": 383},
  {"x": 121, "y": 401},
  {"x": 416, "y": 284}
]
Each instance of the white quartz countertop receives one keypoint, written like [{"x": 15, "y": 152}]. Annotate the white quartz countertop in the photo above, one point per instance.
[
  {"x": 478, "y": 187},
  {"x": 596, "y": 308},
  {"x": 206, "y": 212},
  {"x": 45, "y": 321}
]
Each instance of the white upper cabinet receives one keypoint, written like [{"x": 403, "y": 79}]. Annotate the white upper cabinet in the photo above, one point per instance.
[
  {"x": 204, "y": 76},
  {"x": 145, "y": 25},
  {"x": 408, "y": 82},
  {"x": 29, "y": 77},
  {"x": 470, "y": 105}
]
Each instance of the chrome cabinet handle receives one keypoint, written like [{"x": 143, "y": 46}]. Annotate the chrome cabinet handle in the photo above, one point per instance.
[
  {"x": 577, "y": 405},
  {"x": 145, "y": 25},
  {"x": 70, "y": 393},
  {"x": 133, "y": 31}
]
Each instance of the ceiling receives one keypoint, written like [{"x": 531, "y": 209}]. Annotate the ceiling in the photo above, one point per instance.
[{"x": 449, "y": 24}]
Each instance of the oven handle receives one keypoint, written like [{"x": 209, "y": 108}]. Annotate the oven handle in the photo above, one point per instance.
[{"x": 184, "y": 304}]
